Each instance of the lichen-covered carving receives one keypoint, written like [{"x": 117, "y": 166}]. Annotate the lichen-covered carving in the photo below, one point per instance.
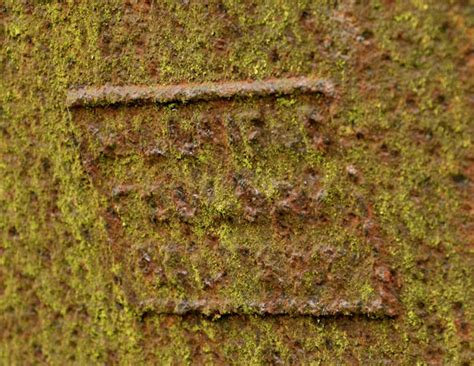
[
  {"x": 392, "y": 152},
  {"x": 215, "y": 208}
]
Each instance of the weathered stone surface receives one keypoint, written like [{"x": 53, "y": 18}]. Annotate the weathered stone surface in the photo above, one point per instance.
[
  {"x": 300, "y": 221},
  {"x": 201, "y": 231}
]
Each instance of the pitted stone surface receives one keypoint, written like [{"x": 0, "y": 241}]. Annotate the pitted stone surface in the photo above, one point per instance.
[{"x": 223, "y": 207}]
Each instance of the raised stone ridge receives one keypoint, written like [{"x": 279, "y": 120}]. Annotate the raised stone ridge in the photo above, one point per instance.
[{"x": 130, "y": 94}]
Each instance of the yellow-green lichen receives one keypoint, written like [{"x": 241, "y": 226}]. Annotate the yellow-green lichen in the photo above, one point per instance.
[{"x": 403, "y": 120}]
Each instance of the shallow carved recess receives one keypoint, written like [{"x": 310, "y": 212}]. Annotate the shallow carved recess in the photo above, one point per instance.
[{"x": 229, "y": 204}]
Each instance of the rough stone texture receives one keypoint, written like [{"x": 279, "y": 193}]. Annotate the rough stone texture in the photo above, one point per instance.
[
  {"x": 392, "y": 153},
  {"x": 222, "y": 208}
]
